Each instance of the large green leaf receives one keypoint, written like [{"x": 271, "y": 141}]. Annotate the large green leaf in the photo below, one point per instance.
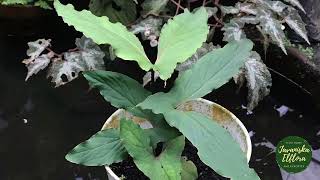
[
  {"x": 163, "y": 134},
  {"x": 118, "y": 89},
  {"x": 179, "y": 40},
  {"x": 103, "y": 148},
  {"x": 167, "y": 166},
  {"x": 209, "y": 73},
  {"x": 126, "y": 45},
  {"x": 122, "y": 92},
  {"x": 216, "y": 147},
  {"x": 125, "y": 12}
]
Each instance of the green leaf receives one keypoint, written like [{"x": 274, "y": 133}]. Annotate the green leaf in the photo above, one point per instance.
[
  {"x": 167, "y": 166},
  {"x": 189, "y": 170},
  {"x": 43, "y": 4},
  {"x": 216, "y": 147},
  {"x": 203, "y": 50},
  {"x": 13, "y": 2},
  {"x": 179, "y": 40},
  {"x": 153, "y": 7},
  {"x": 118, "y": 89},
  {"x": 122, "y": 92},
  {"x": 125, "y": 13},
  {"x": 103, "y": 148},
  {"x": 163, "y": 134},
  {"x": 209, "y": 73},
  {"x": 126, "y": 45}
]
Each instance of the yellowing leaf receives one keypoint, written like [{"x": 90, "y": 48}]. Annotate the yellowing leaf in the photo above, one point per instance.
[
  {"x": 126, "y": 45},
  {"x": 179, "y": 40}
]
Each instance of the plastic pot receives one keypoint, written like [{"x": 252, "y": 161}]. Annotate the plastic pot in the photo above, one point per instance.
[{"x": 218, "y": 113}]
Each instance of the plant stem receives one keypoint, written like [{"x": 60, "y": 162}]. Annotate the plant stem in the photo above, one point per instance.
[
  {"x": 56, "y": 54},
  {"x": 177, "y": 10},
  {"x": 204, "y": 2},
  {"x": 177, "y": 4}
]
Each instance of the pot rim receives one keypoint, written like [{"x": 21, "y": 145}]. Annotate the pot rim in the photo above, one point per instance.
[{"x": 243, "y": 128}]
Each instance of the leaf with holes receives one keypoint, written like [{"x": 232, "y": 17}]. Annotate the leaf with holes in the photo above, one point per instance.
[
  {"x": 87, "y": 57},
  {"x": 233, "y": 31},
  {"x": 63, "y": 71},
  {"x": 166, "y": 166},
  {"x": 36, "y": 48},
  {"x": 38, "y": 64},
  {"x": 175, "y": 45},
  {"x": 103, "y": 148},
  {"x": 126, "y": 45},
  {"x": 123, "y": 11},
  {"x": 272, "y": 27},
  {"x": 90, "y": 53}
]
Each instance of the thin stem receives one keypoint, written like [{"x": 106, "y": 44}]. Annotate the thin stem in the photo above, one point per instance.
[
  {"x": 177, "y": 4},
  {"x": 204, "y": 2},
  {"x": 73, "y": 50},
  {"x": 291, "y": 81},
  {"x": 177, "y": 10},
  {"x": 218, "y": 20},
  {"x": 56, "y": 54}
]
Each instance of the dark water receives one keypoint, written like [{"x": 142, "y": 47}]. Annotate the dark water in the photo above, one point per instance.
[{"x": 40, "y": 124}]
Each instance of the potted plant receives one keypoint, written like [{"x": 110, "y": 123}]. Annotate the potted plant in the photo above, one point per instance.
[{"x": 156, "y": 151}]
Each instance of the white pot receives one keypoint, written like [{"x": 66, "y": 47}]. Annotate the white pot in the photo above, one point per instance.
[{"x": 218, "y": 113}]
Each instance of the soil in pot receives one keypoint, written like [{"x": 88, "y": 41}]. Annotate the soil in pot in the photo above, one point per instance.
[{"x": 129, "y": 170}]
